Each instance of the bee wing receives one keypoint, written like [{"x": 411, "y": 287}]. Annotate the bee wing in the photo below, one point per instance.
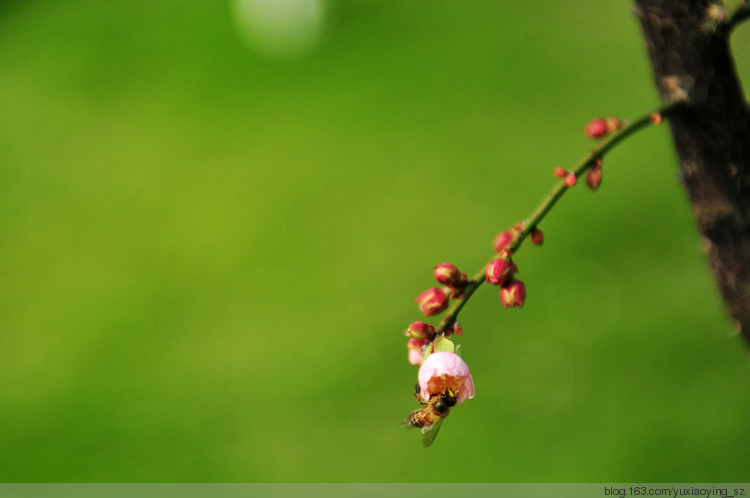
[
  {"x": 430, "y": 432},
  {"x": 406, "y": 424}
]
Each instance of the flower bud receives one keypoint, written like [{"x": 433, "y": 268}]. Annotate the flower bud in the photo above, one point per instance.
[
  {"x": 503, "y": 239},
  {"x": 448, "y": 274},
  {"x": 656, "y": 118},
  {"x": 513, "y": 294},
  {"x": 613, "y": 124},
  {"x": 441, "y": 371},
  {"x": 561, "y": 172},
  {"x": 594, "y": 177},
  {"x": 420, "y": 331},
  {"x": 507, "y": 237},
  {"x": 433, "y": 301},
  {"x": 596, "y": 128},
  {"x": 499, "y": 270},
  {"x": 415, "y": 350},
  {"x": 458, "y": 329},
  {"x": 537, "y": 237},
  {"x": 571, "y": 179}
]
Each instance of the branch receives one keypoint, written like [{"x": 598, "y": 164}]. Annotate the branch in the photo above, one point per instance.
[
  {"x": 738, "y": 16},
  {"x": 688, "y": 43},
  {"x": 535, "y": 218},
  {"x": 689, "y": 50}
]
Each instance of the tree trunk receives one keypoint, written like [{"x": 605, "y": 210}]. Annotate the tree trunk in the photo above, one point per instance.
[{"x": 688, "y": 43}]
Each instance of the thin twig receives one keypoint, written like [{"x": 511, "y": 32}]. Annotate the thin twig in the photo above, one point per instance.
[
  {"x": 546, "y": 205},
  {"x": 738, "y": 16}
]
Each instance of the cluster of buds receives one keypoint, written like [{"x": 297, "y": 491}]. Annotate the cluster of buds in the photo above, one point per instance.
[
  {"x": 433, "y": 301},
  {"x": 423, "y": 341},
  {"x": 593, "y": 175},
  {"x": 436, "y": 299},
  {"x": 601, "y": 127},
  {"x": 570, "y": 177},
  {"x": 444, "y": 378},
  {"x": 501, "y": 272}
]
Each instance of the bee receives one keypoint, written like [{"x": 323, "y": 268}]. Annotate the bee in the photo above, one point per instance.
[{"x": 431, "y": 417}]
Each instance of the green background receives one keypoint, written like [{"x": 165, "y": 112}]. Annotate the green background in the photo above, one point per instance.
[{"x": 208, "y": 255}]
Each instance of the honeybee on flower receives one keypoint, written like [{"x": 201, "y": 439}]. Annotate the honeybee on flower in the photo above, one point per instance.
[{"x": 444, "y": 381}]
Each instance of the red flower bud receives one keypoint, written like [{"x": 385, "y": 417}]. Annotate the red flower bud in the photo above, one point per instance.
[
  {"x": 499, "y": 270},
  {"x": 433, "y": 301},
  {"x": 571, "y": 179},
  {"x": 561, "y": 172},
  {"x": 415, "y": 351},
  {"x": 596, "y": 128},
  {"x": 537, "y": 237},
  {"x": 457, "y": 329},
  {"x": 513, "y": 294},
  {"x": 448, "y": 274},
  {"x": 503, "y": 239},
  {"x": 594, "y": 177},
  {"x": 613, "y": 124},
  {"x": 656, "y": 118},
  {"x": 420, "y": 331}
]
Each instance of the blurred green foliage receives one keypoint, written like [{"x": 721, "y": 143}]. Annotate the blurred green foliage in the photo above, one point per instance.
[{"x": 208, "y": 256}]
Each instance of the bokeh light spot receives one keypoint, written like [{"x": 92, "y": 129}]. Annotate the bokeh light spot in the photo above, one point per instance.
[{"x": 280, "y": 28}]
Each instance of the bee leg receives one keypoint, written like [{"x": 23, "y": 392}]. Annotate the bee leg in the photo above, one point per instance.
[{"x": 417, "y": 395}]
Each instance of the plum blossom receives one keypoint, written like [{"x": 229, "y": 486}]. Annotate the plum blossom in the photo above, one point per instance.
[{"x": 445, "y": 370}]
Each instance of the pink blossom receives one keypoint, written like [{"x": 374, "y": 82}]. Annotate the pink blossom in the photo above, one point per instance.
[{"x": 445, "y": 370}]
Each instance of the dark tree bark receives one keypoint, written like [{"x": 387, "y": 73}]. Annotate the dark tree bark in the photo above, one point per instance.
[{"x": 688, "y": 43}]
